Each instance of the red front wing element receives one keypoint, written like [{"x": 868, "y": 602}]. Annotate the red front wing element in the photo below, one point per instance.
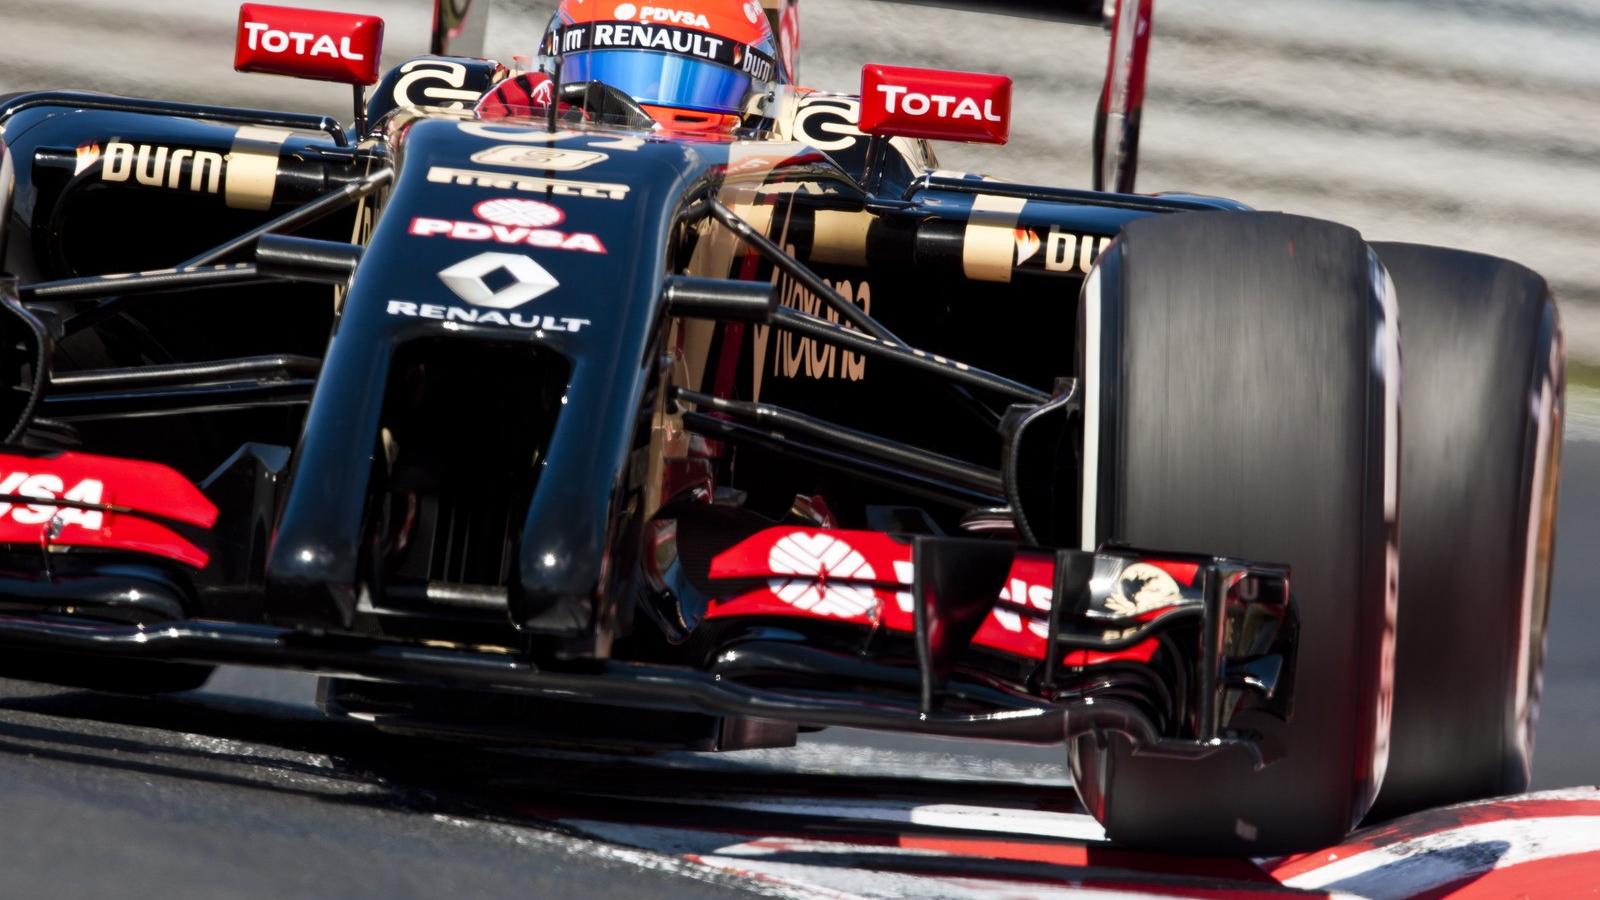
[
  {"x": 865, "y": 578},
  {"x": 100, "y": 501},
  {"x": 308, "y": 43},
  {"x": 935, "y": 104}
]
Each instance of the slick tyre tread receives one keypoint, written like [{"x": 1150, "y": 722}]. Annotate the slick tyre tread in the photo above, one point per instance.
[
  {"x": 1243, "y": 404},
  {"x": 1482, "y": 408}
]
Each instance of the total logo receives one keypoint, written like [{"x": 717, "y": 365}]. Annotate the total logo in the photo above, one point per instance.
[
  {"x": 299, "y": 43},
  {"x": 943, "y": 106},
  {"x": 45, "y": 486},
  {"x": 935, "y": 104},
  {"x": 628, "y": 12},
  {"x": 511, "y": 220},
  {"x": 521, "y": 281},
  {"x": 308, "y": 43}
]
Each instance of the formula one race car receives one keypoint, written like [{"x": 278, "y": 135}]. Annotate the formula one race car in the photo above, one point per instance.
[{"x": 647, "y": 381}]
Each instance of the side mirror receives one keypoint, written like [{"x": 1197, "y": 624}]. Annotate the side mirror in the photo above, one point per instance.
[
  {"x": 935, "y": 104},
  {"x": 308, "y": 43}
]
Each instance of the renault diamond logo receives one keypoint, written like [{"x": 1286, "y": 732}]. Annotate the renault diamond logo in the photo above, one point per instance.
[{"x": 528, "y": 280}]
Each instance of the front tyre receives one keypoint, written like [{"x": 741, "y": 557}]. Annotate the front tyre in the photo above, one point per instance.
[
  {"x": 1483, "y": 401},
  {"x": 1241, "y": 392}
]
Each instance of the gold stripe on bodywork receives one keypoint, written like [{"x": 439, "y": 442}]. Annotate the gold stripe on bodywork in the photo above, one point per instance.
[
  {"x": 988, "y": 251},
  {"x": 840, "y": 238},
  {"x": 253, "y": 167},
  {"x": 759, "y": 215}
]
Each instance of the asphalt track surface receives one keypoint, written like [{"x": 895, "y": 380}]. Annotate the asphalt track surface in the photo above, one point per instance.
[{"x": 1450, "y": 123}]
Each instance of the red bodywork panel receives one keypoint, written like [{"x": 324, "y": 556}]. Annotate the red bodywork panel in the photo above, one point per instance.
[
  {"x": 935, "y": 104},
  {"x": 308, "y": 43},
  {"x": 113, "y": 492},
  {"x": 865, "y": 578}
]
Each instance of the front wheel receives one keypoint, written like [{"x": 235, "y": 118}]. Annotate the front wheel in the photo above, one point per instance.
[
  {"x": 1241, "y": 397},
  {"x": 1483, "y": 402}
]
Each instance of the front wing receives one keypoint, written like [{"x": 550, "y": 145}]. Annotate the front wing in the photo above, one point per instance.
[{"x": 968, "y": 637}]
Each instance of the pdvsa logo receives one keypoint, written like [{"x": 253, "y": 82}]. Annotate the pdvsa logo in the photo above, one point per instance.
[
  {"x": 628, "y": 12},
  {"x": 45, "y": 486},
  {"x": 1022, "y": 593},
  {"x": 511, "y": 220}
]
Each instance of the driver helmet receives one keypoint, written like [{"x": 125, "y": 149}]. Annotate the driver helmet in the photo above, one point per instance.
[{"x": 695, "y": 65}]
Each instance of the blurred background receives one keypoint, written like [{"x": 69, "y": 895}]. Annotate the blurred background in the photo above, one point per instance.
[{"x": 1469, "y": 123}]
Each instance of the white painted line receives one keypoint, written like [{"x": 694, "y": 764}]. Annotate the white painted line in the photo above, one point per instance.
[
  {"x": 991, "y": 819},
  {"x": 826, "y": 881},
  {"x": 650, "y": 860},
  {"x": 812, "y": 868}
]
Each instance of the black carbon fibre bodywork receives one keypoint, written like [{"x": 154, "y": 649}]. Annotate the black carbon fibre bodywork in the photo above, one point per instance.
[
  {"x": 515, "y": 413},
  {"x": 194, "y": 179},
  {"x": 462, "y": 442}
]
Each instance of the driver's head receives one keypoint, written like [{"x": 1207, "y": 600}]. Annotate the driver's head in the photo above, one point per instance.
[{"x": 694, "y": 65}]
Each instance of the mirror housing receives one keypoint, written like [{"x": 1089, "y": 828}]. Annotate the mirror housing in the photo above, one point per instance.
[
  {"x": 935, "y": 104},
  {"x": 308, "y": 43}
]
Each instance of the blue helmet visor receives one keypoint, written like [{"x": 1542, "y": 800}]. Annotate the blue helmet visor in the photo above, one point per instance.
[{"x": 662, "y": 79}]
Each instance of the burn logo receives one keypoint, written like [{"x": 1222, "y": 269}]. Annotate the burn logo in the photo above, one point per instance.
[
  {"x": 198, "y": 171},
  {"x": 1063, "y": 251}
]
